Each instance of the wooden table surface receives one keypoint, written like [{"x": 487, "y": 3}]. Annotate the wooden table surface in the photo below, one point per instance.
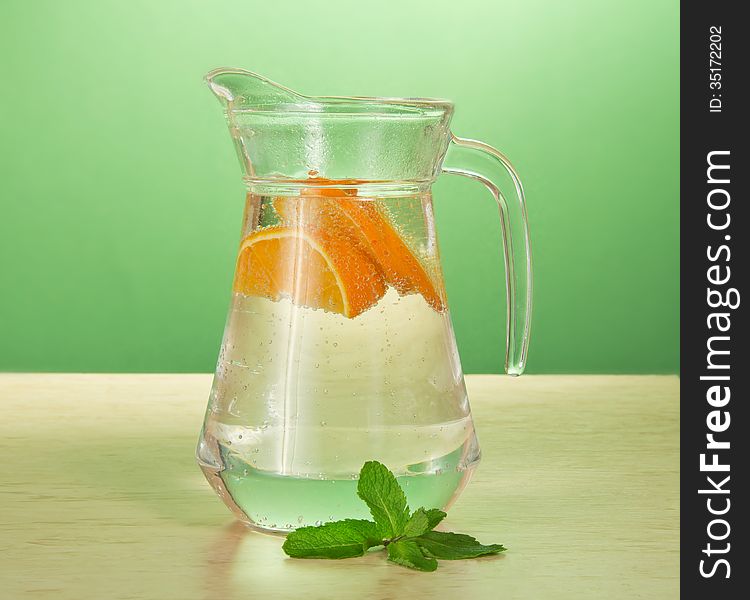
[{"x": 100, "y": 497}]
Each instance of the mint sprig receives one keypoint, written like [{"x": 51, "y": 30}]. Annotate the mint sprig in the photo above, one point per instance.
[{"x": 408, "y": 536}]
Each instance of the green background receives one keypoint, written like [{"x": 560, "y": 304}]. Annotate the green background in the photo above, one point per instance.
[{"x": 122, "y": 199}]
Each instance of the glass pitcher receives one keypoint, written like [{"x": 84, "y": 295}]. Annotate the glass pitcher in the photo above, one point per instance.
[{"x": 338, "y": 347}]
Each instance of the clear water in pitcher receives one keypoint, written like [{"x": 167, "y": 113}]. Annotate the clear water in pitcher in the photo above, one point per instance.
[{"x": 338, "y": 349}]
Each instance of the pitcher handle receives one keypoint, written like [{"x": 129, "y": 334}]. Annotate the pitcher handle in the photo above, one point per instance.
[{"x": 484, "y": 163}]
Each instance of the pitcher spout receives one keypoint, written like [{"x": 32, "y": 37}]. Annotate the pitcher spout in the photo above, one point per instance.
[{"x": 238, "y": 88}]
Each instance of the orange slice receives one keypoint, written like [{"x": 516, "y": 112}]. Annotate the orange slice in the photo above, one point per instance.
[
  {"x": 364, "y": 224},
  {"x": 402, "y": 269},
  {"x": 312, "y": 268}
]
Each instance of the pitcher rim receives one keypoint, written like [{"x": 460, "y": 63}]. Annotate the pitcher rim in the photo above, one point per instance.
[{"x": 423, "y": 105}]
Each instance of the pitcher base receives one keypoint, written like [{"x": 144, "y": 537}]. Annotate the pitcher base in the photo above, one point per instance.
[{"x": 276, "y": 504}]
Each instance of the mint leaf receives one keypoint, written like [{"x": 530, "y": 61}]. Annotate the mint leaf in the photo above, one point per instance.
[
  {"x": 418, "y": 524},
  {"x": 422, "y": 521},
  {"x": 434, "y": 516},
  {"x": 408, "y": 554},
  {"x": 339, "y": 539},
  {"x": 381, "y": 492},
  {"x": 454, "y": 546}
]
